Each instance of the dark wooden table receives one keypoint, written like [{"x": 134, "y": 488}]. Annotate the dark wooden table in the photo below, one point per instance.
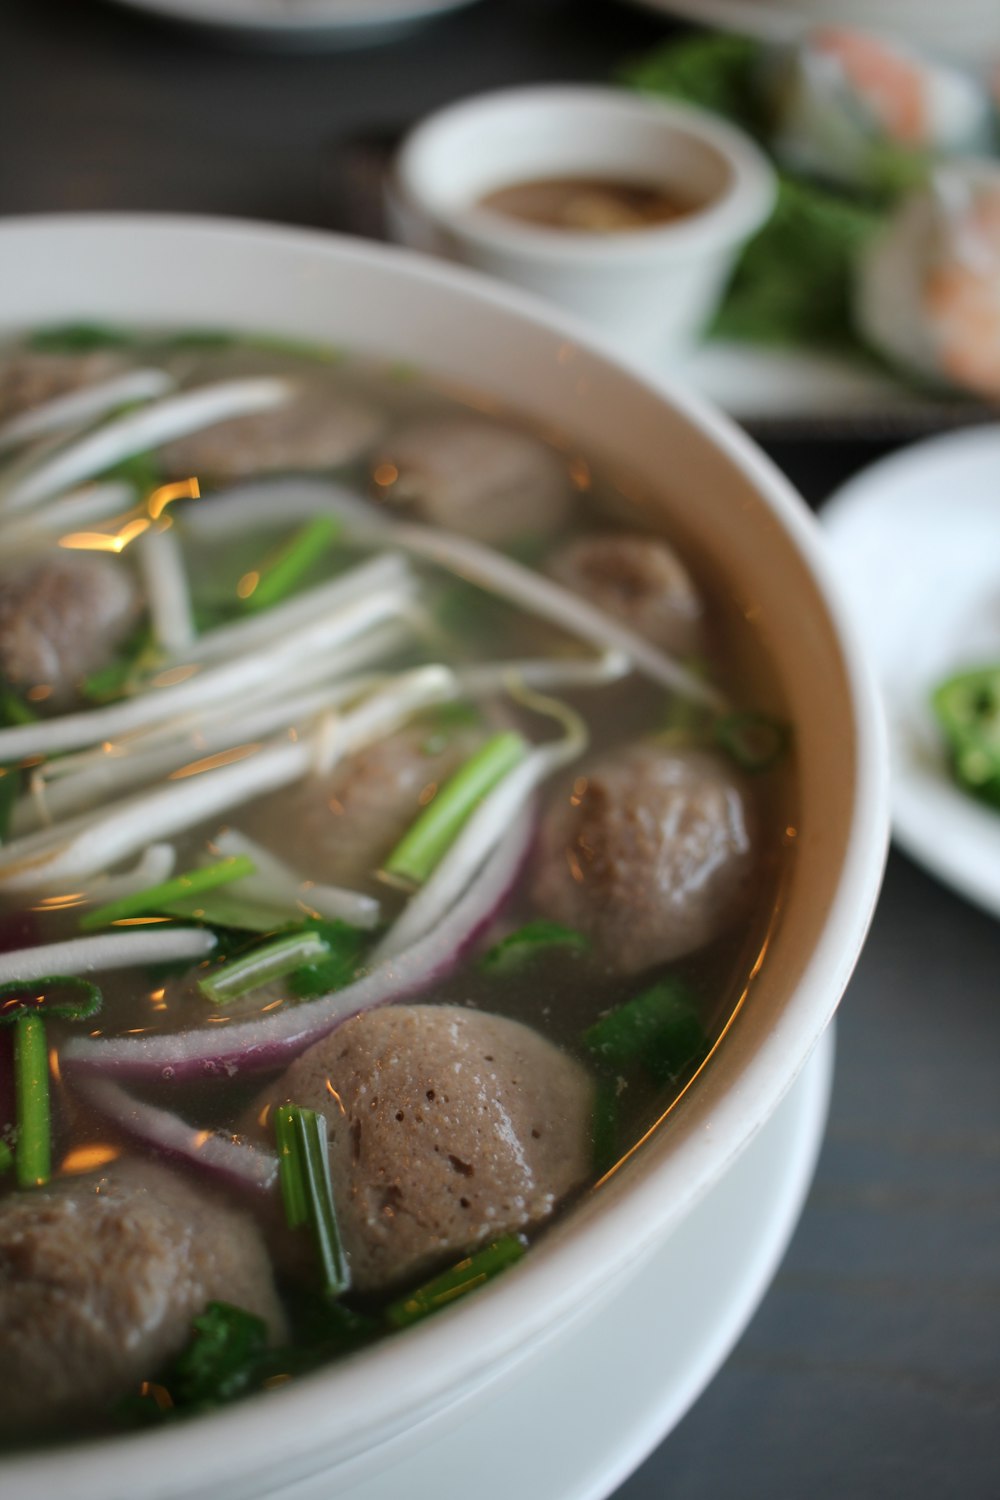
[{"x": 873, "y": 1366}]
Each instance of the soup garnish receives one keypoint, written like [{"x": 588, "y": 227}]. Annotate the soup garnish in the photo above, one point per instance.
[{"x": 418, "y": 883}]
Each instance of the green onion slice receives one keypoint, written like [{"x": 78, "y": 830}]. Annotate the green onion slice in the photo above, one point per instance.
[
  {"x": 19, "y": 997},
  {"x": 180, "y": 887},
  {"x": 285, "y": 570},
  {"x": 25, "y": 1005},
  {"x": 79, "y": 338},
  {"x": 522, "y": 947},
  {"x": 264, "y": 964},
  {"x": 420, "y": 850},
  {"x": 33, "y": 1151},
  {"x": 306, "y": 1190},
  {"x": 468, "y": 1274}
]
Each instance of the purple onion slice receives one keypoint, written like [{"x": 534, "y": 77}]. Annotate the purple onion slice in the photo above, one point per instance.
[
  {"x": 215, "y": 1152},
  {"x": 270, "y": 1041}
]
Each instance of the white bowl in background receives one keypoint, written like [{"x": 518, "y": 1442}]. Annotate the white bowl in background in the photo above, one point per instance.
[
  {"x": 652, "y": 289},
  {"x": 712, "y": 485}
]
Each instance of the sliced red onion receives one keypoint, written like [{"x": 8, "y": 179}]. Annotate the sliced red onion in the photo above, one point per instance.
[
  {"x": 213, "y": 1151},
  {"x": 271, "y": 1040}
]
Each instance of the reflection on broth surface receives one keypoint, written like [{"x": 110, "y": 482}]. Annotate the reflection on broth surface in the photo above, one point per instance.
[{"x": 391, "y": 826}]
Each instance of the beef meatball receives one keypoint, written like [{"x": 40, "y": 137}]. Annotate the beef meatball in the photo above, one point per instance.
[
  {"x": 344, "y": 824},
  {"x": 651, "y": 855},
  {"x": 30, "y": 379},
  {"x": 641, "y": 582},
  {"x": 318, "y": 428},
  {"x": 474, "y": 476},
  {"x": 100, "y": 1278},
  {"x": 447, "y": 1127},
  {"x": 62, "y": 618}
]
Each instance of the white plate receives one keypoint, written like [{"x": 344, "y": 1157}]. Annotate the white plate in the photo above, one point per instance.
[
  {"x": 331, "y": 23},
  {"x": 962, "y": 28},
  {"x": 579, "y": 1419},
  {"x": 753, "y": 383},
  {"x": 917, "y": 541}
]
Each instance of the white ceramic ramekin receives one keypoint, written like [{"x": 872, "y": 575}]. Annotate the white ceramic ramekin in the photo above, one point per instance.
[
  {"x": 651, "y": 289},
  {"x": 709, "y": 483}
]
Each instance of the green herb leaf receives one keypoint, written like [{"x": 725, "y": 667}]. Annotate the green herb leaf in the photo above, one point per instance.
[
  {"x": 754, "y": 741},
  {"x": 716, "y": 72},
  {"x": 218, "y": 1363},
  {"x": 793, "y": 284},
  {"x": 13, "y": 709},
  {"x": 138, "y": 656},
  {"x": 346, "y": 947},
  {"x": 79, "y": 338},
  {"x": 660, "y": 1028},
  {"x": 461, "y": 1279},
  {"x": 530, "y": 942}
]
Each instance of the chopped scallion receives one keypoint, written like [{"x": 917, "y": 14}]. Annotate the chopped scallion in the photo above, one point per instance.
[
  {"x": 530, "y": 941},
  {"x": 264, "y": 964},
  {"x": 306, "y": 1189},
  {"x": 24, "y": 1006},
  {"x": 285, "y": 570},
  {"x": 78, "y": 338},
  {"x": 13, "y": 709},
  {"x": 33, "y": 1151},
  {"x": 468, "y": 1274},
  {"x": 420, "y": 850},
  {"x": 180, "y": 887}
]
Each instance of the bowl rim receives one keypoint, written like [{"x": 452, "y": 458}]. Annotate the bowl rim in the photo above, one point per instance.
[
  {"x": 742, "y": 204},
  {"x": 560, "y": 1272}
]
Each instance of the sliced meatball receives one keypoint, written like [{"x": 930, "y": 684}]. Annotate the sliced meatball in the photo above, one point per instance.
[
  {"x": 30, "y": 379},
  {"x": 641, "y": 582},
  {"x": 100, "y": 1278},
  {"x": 447, "y": 1127},
  {"x": 319, "y": 428},
  {"x": 63, "y": 618},
  {"x": 339, "y": 828},
  {"x": 651, "y": 855},
  {"x": 473, "y": 476}
]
